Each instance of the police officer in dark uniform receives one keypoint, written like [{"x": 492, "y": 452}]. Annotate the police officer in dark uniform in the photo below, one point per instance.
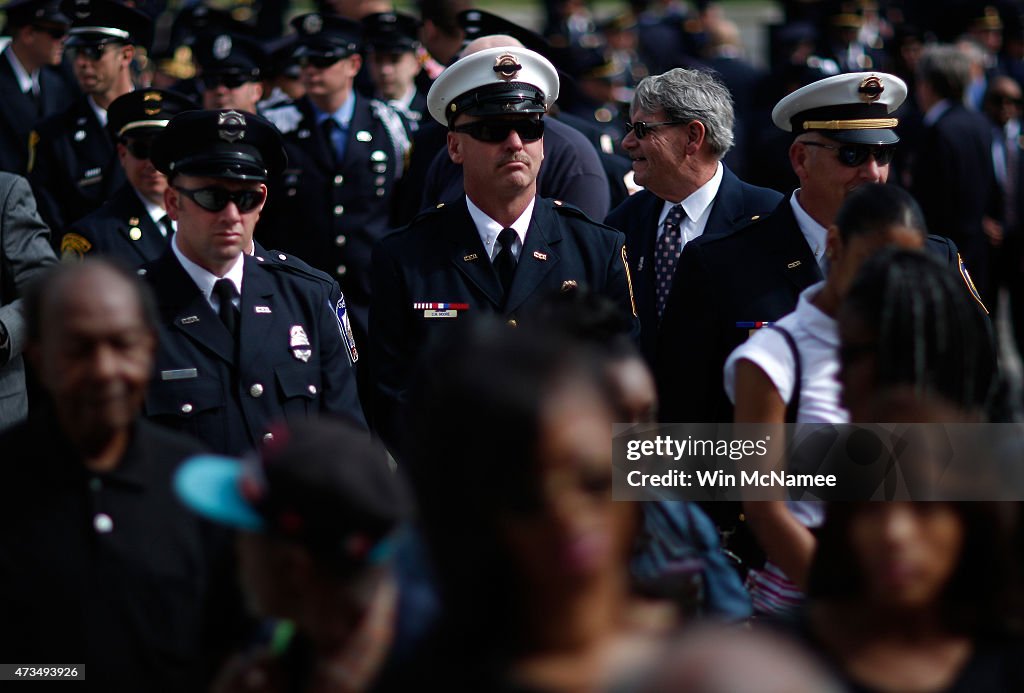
[
  {"x": 393, "y": 40},
  {"x": 73, "y": 165},
  {"x": 32, "y": 85},
  {"x": 244, "y": 342},
  {"x": 133, "y": 225},
  {"x": 345, "y": 153},
  {"x": 229, "y": 71},
  {"x": 499, "y": 249}
]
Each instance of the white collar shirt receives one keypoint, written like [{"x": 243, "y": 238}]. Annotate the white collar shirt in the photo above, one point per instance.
[
  {"x": 205, "y": 279},
  {"x": 813, "y": 232},
  {"x": 697, "y": 207},
  {"x": 489, "y": 229}
]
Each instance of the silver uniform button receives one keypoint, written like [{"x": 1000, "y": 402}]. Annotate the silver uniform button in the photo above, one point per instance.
[
  {"x": 256, "y": 390},
  {"x": 340, "y": 240},
  {"x": 312, "y": 389},
  {"x": 338, "y": 180},
  {"x": 102, "y": 523},
  {"x": 282, "y": 256},
  {"x": 267, "y": 437},
  {"x": 339, "y": 210},
  {"x": 186, "y": 408}
]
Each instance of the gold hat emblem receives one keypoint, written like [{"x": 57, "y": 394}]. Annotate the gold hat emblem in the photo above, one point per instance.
[
  {"x": 507, "y": 67},
  {"x": 151, "y": 102},
  {"x": 870, "y": 90}
]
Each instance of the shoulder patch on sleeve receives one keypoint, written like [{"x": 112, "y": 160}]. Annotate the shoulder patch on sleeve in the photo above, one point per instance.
[
  {"x": 73, "y": 247},
  {"x": 285, "y": 118},
  {"x": 966, "y": 276},
  {"x": 629, "y": 281},
  {"x": 346, "y": 330},
  {"x": 33, "y": 140}
]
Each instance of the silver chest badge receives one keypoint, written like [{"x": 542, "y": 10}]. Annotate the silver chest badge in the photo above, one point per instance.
[{"x": 298, "y": 342}]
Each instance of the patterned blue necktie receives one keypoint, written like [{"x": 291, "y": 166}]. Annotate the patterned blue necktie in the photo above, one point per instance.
[{"x": 666, "y": 256}]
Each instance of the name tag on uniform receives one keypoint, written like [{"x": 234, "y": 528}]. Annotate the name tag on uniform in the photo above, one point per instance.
[
  {"x": 440, "y": 313},
  {"x": 179, "y": 374}
]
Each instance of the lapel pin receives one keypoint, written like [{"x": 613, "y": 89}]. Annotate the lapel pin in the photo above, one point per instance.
[
  {"x": 793, "y": 265},
  {"x": 133, "y": 221},
  {"x": 469, "y": 258},
  {"x": 640, "y": 264},
  {"x": 190, "y": 319},
  {"x": 569, "y": 285},
  {"x": 540, "y": 256}
]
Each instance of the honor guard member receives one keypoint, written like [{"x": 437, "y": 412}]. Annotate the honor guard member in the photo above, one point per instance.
[
  {"x": 73, "y": 164},
  {"x": 500, "y": 248},
  {"x": 32, "y": 86},
  {"x": 243, "y": 342},
  {"x": 392, "y": 38},
  {"x": 229, "y": 71},
  {"x": 728, "y": 285},
  {"x": 345, "y": 153},
  {"x": 133, "y": 225}
]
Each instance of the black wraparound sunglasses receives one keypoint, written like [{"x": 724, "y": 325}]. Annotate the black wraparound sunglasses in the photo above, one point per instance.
[
  {"x": 214, "y": 199},
  {"x": 853, "y": 155},
  {"x": 498, "y": 130}
]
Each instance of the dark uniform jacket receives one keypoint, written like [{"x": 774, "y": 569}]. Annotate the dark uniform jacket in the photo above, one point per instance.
[
  {"x": 736, "y": 205},
  {"x": 330, "y": 215},
  {"x": 108, "y": 569},
  {"x": 19, "y": 113},
  {"x": 121, "y": 229},
  {"x": 294, "y": 361},
  {"x": 953, "y": 179},
  {"x": 73, "y": 166},
  {"x": 439, "y": 258},
  {"x": 724, "y": 286}
]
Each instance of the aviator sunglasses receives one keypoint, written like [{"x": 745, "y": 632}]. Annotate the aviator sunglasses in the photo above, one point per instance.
[
  {"x": 215, "y": 199},
  {"x": 321, "y": 61},
  {"x": 640, "y": 129},
  {"x": 498, "y": 130},
  {"x": 853, "y": 155},
  {"x": 139, "y": 148},
  {"x": 230, "y": 80}
]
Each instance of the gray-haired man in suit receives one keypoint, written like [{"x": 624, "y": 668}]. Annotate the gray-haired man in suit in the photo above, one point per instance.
[{"x": 25, "y": 253}]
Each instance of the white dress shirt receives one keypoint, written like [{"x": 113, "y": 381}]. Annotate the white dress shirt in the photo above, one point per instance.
[
  {"x": 489, "y": 229},
  {"x": 814, "y": 233},
  {"x": 697, "y": 207},
  {"x": 205, "y": 279}
]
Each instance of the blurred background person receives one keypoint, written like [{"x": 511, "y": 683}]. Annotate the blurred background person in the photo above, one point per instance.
[
  {"x": 917, "y": 596},
  {"x": 392, "y": 40},
  {"x": 544, "y": 601},
  {"x": 945, "y": 352},
  {"x": 320, "y": 515},
  {"x": 99, "y": 563},
  {"x": 787, "y": 374}
]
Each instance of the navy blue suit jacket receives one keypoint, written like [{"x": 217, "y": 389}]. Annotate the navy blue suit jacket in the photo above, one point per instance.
[{"x": 736, "y": 205}]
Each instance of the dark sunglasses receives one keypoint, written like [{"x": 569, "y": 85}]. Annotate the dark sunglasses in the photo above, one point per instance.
[
  {"x": 231, "y": 80},
  {"x": 640, "y": 129},
  {"x": 1004, "y": 100},
  {"x": 498, "y": 130},
  {"x": 92, "y": 52},
  {"x": 320, "y": 61},
  {"x": 52, "y": 31},
  {"x": 215, "y": 199},
  {"x": 139, "y": 148},
  {"x": 853, "y": 155}
]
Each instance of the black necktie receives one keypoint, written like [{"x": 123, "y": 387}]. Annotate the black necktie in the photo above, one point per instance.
[
  {"x": 505, "y": 262},
  {"x": 226, "y": 292},
  {"x": 165, "y": 221}
]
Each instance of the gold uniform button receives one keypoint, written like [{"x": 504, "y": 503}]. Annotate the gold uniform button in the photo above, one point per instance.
[
  {"x": 340, "y": 240},
  {"x": 339, "y": 210},
  {"x": 512, "y": 323},
  {"x": 135, "y": 233},
  {"x": 256, "y": 390},
  {"x": 186, "y": 408},
  {"x": 338, "y": 180}
]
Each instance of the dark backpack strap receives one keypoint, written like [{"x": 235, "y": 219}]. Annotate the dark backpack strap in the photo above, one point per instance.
[{"x": 793, "y": 407}]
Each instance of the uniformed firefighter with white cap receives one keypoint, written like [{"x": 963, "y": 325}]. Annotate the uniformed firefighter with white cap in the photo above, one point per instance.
[{"x": 499, "y": 249}]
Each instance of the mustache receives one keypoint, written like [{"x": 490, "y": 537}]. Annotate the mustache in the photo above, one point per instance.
[{"x": 519, "y": 157}]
